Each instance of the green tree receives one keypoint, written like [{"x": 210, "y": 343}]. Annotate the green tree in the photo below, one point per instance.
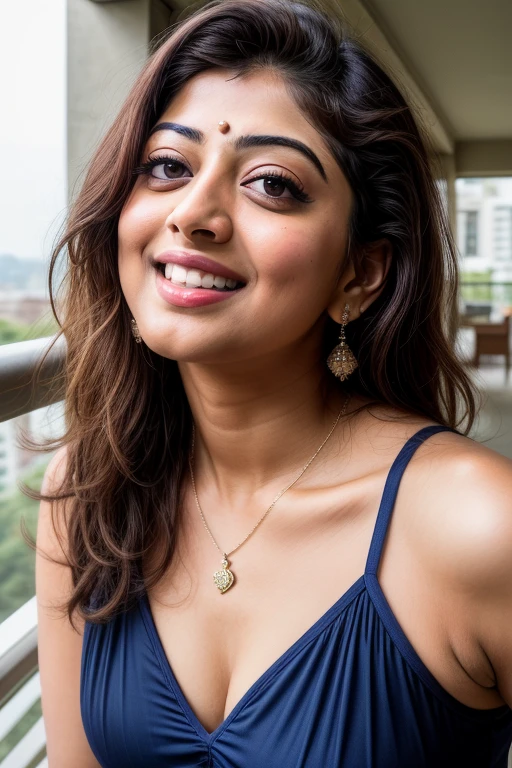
[
  {"x": 17, "y": 559},
  {"x": 11, "y": 331}
]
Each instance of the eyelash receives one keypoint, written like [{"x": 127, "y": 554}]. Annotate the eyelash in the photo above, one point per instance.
[{"x": 297, "y": 190}]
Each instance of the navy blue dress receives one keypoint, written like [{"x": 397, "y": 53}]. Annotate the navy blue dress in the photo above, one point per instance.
[{"x": 351, "y": 692}]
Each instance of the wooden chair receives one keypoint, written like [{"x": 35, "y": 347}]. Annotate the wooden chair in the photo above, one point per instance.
[{"x": 493, "y": 339}]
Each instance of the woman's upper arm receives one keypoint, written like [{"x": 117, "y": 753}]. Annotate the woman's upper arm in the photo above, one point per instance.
[
  {"x": 472, "y": 541},
  {"x": 59, "y": 645}
]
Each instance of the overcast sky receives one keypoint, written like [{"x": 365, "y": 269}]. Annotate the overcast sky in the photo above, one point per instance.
[{"x": 32, "y": 129}]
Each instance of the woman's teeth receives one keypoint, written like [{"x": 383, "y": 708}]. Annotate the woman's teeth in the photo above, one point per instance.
[{"x": 193, "y": 278}]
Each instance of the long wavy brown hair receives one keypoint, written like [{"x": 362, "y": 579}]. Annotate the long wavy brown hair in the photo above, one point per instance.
[{"x": 127, "y": 419}]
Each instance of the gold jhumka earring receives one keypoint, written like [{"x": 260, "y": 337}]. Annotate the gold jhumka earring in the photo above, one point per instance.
[
  {"x": 341, "y": 361},
  {"x": 135, "y": 331}
]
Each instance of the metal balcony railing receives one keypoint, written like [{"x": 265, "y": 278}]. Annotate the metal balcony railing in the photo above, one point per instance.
[
  {"x": 484, "y": 298},
  {"x": 19, "y": 678}
]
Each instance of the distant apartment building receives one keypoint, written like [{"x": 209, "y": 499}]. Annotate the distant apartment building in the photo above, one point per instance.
[
  {"x": 23, "y": 307},
  {"x": 15, "y": 460},
  {"x": 23, "y": 291},
  {"x": 484, "y": 226}
]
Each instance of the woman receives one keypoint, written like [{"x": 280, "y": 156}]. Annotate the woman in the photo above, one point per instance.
[{"x": 282, "y": 550}]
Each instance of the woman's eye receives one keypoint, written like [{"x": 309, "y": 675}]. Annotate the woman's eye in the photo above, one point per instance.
[
  {"x": 271, "y": 186},
  {"x": 171, "y": 169},
  {"x": 162, "y": 168},
  {"x": 275, "y": 184}
]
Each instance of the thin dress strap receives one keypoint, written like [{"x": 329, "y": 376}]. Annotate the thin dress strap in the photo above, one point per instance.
[{"x": 390, "y": 492}]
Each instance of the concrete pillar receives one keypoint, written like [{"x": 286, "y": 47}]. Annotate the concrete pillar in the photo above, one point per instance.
[
  {"x": 162, "y": 15},
  {"x": 107, "y": 46}
]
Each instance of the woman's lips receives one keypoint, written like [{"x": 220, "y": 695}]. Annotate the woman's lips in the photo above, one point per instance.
[{"x": 189, "y": 297}]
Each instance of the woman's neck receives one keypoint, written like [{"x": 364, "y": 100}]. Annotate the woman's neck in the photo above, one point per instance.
[{"x": 255, "y": 430}]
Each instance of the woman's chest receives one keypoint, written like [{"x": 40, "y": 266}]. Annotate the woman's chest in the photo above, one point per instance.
[
  {"x": 219, "y": 644},
  {"x": 286, "y": 578}
]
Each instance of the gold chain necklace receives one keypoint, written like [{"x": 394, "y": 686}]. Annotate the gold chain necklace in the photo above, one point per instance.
[{"x": 224, "y": 578}]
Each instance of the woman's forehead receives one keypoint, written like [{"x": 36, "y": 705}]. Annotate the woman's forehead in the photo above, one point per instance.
[{"x": 257, "y": 96}]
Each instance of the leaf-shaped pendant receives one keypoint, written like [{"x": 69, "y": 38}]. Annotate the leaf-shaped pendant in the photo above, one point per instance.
[{"x": 224, "y": 578}]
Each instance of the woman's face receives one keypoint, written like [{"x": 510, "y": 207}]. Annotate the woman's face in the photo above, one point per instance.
[{"x": 207, "y": 197}]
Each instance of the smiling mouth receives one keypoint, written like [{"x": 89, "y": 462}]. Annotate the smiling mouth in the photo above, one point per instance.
[{"x": 191, "y": 283}]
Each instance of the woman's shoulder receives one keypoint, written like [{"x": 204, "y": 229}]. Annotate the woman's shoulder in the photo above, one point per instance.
[
  {"x": 462, "y": 492},
  {"x": 465, "y": 497},
  {"x": 459, "y": 495}
]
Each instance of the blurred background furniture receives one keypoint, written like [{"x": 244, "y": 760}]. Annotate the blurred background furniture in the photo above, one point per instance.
[{"x": 490, "y": 338}]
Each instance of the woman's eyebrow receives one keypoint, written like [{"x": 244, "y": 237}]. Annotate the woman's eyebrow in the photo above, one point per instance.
[{"x": 243, "y": 142}]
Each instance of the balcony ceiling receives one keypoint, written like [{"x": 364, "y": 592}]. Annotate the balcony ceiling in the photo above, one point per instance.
[
  {"x": 460, "y": 54},
  {"x": 452, "y": 58}
]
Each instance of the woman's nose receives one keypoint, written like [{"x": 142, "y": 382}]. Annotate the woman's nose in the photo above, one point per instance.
[{"x": 202, "y": 207}]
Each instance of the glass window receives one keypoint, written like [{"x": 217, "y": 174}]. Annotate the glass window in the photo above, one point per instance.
[
  {"x": 471, "y": 245},
  {"x": 484, "y": 235}
]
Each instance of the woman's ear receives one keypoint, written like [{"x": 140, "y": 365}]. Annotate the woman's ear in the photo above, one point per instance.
[{"x": 363, "y": 282}]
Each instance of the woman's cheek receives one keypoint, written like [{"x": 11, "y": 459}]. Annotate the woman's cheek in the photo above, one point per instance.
[
  {"x": 138, "y": 222},
  {"x": 312, "y": 256},
  {"x": 131, "y": 241},
  {"x": 288, "y": 255}
]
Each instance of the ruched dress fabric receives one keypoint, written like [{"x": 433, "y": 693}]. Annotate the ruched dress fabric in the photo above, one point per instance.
[{"x": 351, "y": 692}]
